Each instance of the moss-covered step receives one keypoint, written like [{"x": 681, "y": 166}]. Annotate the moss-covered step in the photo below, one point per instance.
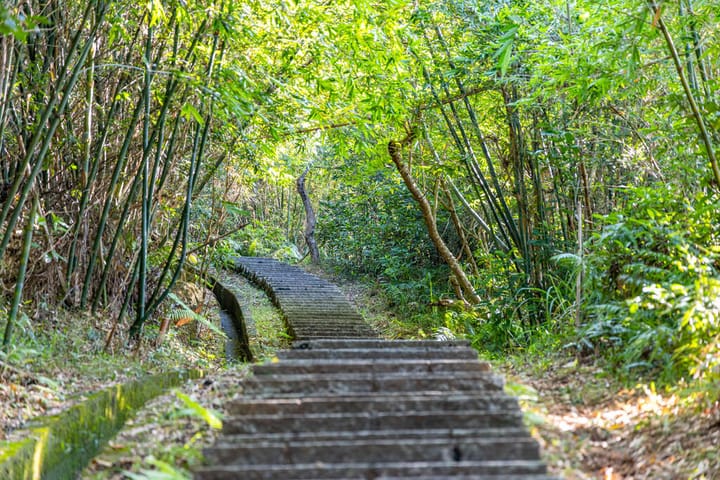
[{"x": 58, "y": 447}]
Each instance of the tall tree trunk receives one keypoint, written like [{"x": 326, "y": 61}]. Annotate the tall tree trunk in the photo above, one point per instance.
[
  {"x": 310, "y": 219},
  {"x": 394, "y": 148}
]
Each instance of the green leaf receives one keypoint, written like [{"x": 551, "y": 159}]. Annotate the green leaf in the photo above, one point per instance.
[
  {"x": 188, "y": 111},
  {"x": 195, "y": 316},
  {"x": 236, "y": 209},
  {"x": 504, "y": 53},
  {"x": 208, "y": 415},
  {"x": 164, "y": 471}
]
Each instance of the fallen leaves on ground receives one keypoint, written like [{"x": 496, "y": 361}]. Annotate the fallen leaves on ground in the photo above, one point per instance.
[{"x": 590, "y": 428}]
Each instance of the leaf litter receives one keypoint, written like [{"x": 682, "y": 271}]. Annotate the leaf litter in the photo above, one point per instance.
[{"x": 591, "y": 428}]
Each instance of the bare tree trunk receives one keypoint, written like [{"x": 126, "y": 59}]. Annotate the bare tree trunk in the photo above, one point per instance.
[
  {"x": 310, "y": 219},
  {"x": 394, "y": 148},
  {"x": 459, "y": 229},
  {"x": 580, "y": 276}
]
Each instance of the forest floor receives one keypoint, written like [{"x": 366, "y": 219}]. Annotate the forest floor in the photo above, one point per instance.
[{"x": 589, "y": 424}]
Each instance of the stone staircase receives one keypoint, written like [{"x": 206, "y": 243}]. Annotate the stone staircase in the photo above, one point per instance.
[
  {"x": 313, "y": 308},
  {"x": 364, "y": 408}
]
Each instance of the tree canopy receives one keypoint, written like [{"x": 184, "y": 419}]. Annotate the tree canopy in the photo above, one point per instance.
[{"x": 550, "y": 166}]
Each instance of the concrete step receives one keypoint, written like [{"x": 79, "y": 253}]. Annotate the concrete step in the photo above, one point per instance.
[
  {"x": 409, "y": 353},
  {"x": 300, "y": 385},
  {"x": 382, "y": 402},
  {"x": 264, "y": 424},
  {"x": 449, "y": 434},
  {"x": 325, "y": 308},
  {"x": 351, "y": 327},
  {"x": 303, "y": 335},
  {"x": 314, "y": 315},
  {"x": 344, "y": 337},
  {"x": 377, "y": 343},
  {"x": 308, "y": 320},
  {"x": 295, "y": 367},
  {"x": 331, "y": 332},
  {"x": 490, "y": 470},
  {"x": 375, "y": 451}
]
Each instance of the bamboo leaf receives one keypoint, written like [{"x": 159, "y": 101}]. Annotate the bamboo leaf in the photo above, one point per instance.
[
  {"x": 212, "y": 418},
  {"x": 504, "y": 53},
  {"x": 188, "y": 111},
  {"x": 189, "y": 312}
]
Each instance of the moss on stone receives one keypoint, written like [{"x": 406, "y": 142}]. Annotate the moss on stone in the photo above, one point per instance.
[{"x": 59, "y": 446}]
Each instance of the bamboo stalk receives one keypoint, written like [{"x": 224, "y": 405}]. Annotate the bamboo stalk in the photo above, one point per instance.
[
  {"x": 65, "y": 85},
  {"x": 704, "y": 134},
  {"x": 20, "y": 284}
]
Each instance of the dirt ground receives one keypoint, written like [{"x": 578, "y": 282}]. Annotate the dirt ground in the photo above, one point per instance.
[{"x": 590, "y": 428}]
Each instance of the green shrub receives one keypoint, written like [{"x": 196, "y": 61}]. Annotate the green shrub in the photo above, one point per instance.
[
  {"x": 376, "y": 230},
  {"x": 263, "y": 240},
  {"x": 654, "y": 287}
]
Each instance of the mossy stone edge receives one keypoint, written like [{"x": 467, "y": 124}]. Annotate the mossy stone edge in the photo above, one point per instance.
[{"x": 59, "y": 446}]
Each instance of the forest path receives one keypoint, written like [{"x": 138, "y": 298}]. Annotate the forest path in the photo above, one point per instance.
[
  {"x": 344, "y": 404},
  {"x": 312, "y": 307}
]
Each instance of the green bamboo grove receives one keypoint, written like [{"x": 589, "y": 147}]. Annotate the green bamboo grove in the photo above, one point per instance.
[{"x": 551, "y": 166}]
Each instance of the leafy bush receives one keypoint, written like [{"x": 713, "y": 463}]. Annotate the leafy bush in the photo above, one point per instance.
[
  {"x": 377, "y": 230},
  {"x": 654, "y": 285},
  {"x": 264, "y": 241}
]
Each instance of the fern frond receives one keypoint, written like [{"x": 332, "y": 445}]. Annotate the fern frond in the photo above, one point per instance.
[{"x": 186, "y": 313}]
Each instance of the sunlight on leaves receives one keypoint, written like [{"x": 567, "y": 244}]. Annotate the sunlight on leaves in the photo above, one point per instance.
[{"x": 212, "y": 418}]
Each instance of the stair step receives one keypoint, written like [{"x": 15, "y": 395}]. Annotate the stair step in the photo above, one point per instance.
[
  {"x": 410, "y": 353},
  {"x": 449, "y": 434},
  {"x": 377, "y": 343},
  {"x": 272, "y": 384},
  {"x": 490, "y": 470},
  {"x": 446, "y": 401},
  {"x": 375, "y": 450},
  {"x": 374, "y": 366},
  {"x": 372, "y": 421}
]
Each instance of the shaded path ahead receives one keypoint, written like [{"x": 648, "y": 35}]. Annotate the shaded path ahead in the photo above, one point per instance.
[
  {"x": 312, "y": 307},
  {"x": 364, "y": 408}
]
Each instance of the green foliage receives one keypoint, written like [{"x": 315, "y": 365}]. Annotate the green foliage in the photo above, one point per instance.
[
  {"x": 18, "y": 24},
  {"x": 162, "y": 471},
  {"x": 653, "y": 274},
  {"x": 262, "y": 240},
  {"x": 212, "y": 418},
  {"x": 185, "y": 312},
  {"x": 375, "y": 230}
]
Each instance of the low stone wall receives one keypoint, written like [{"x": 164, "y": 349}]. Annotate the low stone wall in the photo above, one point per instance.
[
  {"x": 240, "y": 342},
  {"x": 60, "y": 446}
]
